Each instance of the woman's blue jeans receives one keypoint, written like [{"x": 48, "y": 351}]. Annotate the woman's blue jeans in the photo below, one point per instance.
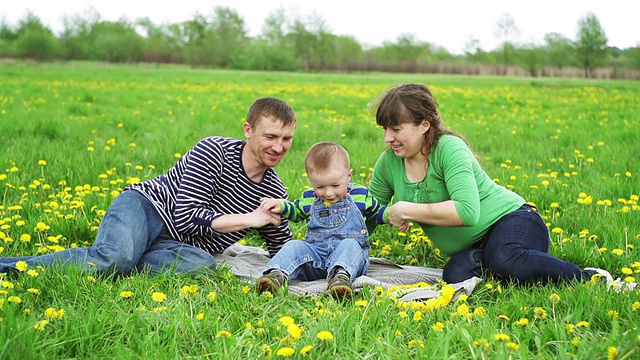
[
  {"x": 515, "y": 248},
  {"x": 132, "y": 235}
]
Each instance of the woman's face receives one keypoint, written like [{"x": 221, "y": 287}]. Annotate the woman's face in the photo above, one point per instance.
[{"x": 406, "y": 139}]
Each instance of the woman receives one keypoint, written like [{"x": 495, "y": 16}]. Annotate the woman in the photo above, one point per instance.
[{"x": 438, "y": 183}]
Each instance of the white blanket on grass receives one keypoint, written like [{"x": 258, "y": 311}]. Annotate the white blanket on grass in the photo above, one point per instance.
[{"x": 248, "y": 262}]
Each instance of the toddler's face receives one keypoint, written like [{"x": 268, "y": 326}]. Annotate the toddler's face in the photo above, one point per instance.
[{"x": 330, "y": 186}]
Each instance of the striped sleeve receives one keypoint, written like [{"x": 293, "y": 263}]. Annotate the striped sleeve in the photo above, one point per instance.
[
  {"x": 299, "y": 209},
  {"x": 370, "y": 208}
]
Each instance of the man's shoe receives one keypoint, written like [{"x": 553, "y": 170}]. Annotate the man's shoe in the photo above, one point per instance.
[
  {"x": 340, "y": 287},
  {"x": 270, "y": 282}
]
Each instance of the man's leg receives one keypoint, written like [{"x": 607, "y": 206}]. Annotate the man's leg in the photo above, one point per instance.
[{"x": 127, "y": 229}]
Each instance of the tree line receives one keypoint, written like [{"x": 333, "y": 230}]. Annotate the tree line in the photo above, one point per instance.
[{"x": 305, "y": 43}]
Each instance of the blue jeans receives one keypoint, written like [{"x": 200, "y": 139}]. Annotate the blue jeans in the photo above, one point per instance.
[
  {"x": 515, "y": 248},
  {"x": 131, "y": 236}
]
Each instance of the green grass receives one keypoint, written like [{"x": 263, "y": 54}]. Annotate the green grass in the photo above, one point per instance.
[{"x": 72, "y": 135}]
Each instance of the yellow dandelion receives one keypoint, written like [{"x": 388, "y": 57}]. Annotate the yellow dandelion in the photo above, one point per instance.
[
  {"x": 554, "y": 298},
  {"x": 325, "y": 335},
  {"x": 617, "y": 252},
  {"x": 285, "y": 352},
  {"x": 200, "y": 316},
  {"x": 635, "y": 306},
  {"x": 40, "y": 325},
  {"x": 211, "y": 296},
  {"x": 287, "y": 320},
  {"x": 223, "y": 334},
  {"x": 582, "y": 324},
  {"x": 613, "y": 314},
  {"x": 362, "y": 303},
  {"x": 126, "y": 294},
  {"x": 570, "y": 328},
  {"x": 295, "y": 331},
  {"x": 439, "y": 326},
  {"x": 479, "y": 311},
  {"x": 305, "y": 350},
  {"x": 513, "y": 346},
  {"x": 246, "y": 289},
  {"x": 33, "y": 291},
  {"x": 522, "y": 322},
  {"x": 14, "y": 299},
  {"x": 501, "y": 337},
  {"x": 158, "y": 296},
  {"x": 22, "y": 265},
  {"x": 612, "y": 352}
]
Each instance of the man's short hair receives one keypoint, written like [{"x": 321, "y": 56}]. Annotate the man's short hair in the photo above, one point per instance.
[{"x": 272, "y": 108}]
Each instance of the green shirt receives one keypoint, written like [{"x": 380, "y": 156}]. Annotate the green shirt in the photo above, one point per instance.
[{"x": 453, "y": 174}]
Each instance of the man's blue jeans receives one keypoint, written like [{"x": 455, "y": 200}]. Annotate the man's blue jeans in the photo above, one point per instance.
[
  {"x": 131, "y": 236},
  {"x": 515, "y": 248}
]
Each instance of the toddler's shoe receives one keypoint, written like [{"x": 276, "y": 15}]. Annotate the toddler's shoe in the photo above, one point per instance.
[
  {"x": 340, "y": 287},
  {"x": 270, "y": 282}
]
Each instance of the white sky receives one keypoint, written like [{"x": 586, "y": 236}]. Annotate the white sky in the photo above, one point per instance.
[{"x": 447, "y": 23}]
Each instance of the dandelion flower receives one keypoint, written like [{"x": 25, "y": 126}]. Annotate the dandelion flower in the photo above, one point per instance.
[
  {"x": 325, "y": 335},
  {"x": 305, "y": 350},
  {"x": 21, "y": 265},
  {"x": 158, "y": 296},
  {"x": 287, "y": 320},
  {"x": 295, "y": 331},
  {"x": 223, "y": 334},
  {"x": 612, "y": 352},
  {"x": 126, "y": 294},
  {"x": 501, "y": 337},
  {"x": 554, "y": 298},
  {"x": 40, "y": 325},
  {"x": 285, "y": 352},
  {"x": 200, "y": 316}
]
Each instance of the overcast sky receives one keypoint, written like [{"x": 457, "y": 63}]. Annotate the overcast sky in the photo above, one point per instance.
[{"x": 447, "y": 23}]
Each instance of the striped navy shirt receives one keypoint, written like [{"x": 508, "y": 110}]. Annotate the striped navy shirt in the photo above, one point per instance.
[{"x": 207, "y": 182}]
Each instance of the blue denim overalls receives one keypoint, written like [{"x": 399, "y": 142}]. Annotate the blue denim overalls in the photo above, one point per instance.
[{"x": 336, "y": 236}]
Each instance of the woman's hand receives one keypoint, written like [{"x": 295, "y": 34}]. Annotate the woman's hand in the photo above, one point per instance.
[{"x": 397, "y": 213}]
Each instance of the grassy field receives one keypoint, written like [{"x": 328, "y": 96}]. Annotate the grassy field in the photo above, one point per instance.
[{"x": 72, "y": 135}]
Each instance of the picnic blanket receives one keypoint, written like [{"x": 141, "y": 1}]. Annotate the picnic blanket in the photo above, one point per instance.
[{"x": 248, "y": 262}]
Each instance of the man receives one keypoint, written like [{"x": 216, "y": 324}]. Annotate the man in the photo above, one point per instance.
[{"x": 207, "y": 201}]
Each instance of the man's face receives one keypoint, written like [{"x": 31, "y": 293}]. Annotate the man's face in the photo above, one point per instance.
[{"x": 268, "y": 141}]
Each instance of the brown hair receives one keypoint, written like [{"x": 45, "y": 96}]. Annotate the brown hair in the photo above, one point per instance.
[
  {"x": 324, "y": 156},
  {"x": 412, "y": 103},
  {"x": 270, "y": 107}
]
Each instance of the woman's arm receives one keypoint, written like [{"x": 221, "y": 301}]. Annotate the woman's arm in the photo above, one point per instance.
[{"x": 442, "y": 213}]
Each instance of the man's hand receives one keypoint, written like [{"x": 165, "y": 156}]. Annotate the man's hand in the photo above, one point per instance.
[
  {"x": 271, "y": 205},
  {"x": 261, "y": 217}
]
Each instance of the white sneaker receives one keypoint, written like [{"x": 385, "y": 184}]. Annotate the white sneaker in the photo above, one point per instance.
[
  {"x": 617, "y": 284},
  {"x": 604, "y": 273}
]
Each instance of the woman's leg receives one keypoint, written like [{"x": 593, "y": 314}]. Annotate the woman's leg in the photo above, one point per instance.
[{"x": 517, "y": 249}]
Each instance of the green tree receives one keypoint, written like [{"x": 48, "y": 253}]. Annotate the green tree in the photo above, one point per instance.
[
  {"x": 591, "y": 43},
  {"x": 228, "y": 37},
  {"x": 274, "y": 50},
  {"x": 160, "y": 45},
  {"x": 75, "y": 38},
  {"x": 34, "y": 40},
  {"x": 558, "y": 50},
  {"x": 507, "y": 32},
  {"x": 115, "y": 42},
  {"x": 531, "y": 58}
]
